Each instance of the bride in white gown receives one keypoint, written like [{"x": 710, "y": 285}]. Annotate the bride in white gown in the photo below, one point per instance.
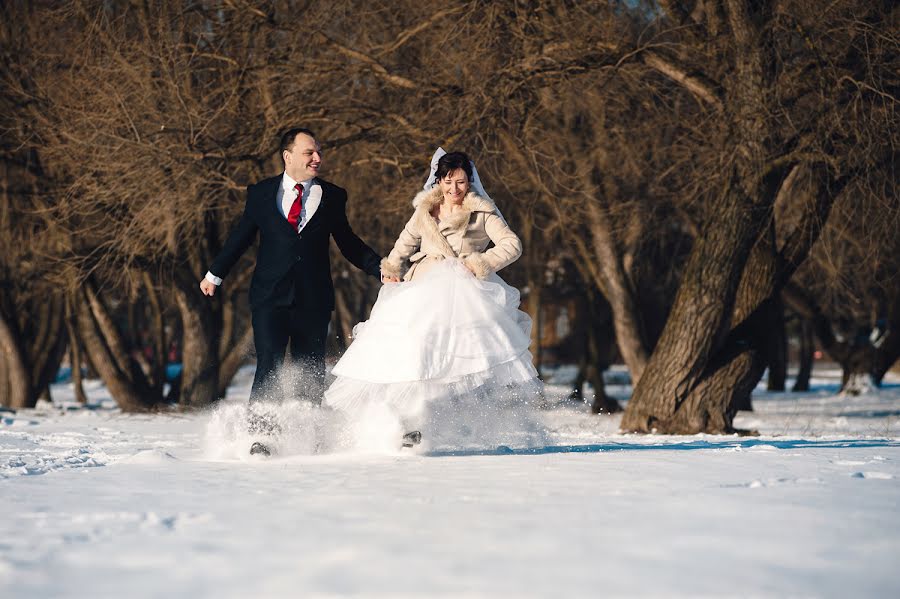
[{"x": 451, "y": 329}]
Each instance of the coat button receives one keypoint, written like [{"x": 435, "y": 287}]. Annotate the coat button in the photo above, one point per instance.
[{"x": 298, "y": 258}]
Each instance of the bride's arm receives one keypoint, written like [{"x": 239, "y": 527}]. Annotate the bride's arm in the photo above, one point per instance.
[
  {"x": 507, "y": 248},
  {"x": 394, "y": 266}
]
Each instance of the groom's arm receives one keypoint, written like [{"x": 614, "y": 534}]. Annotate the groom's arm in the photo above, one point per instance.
[
  {"x": 237, "y": 243},
  {"x": 351, "y": 246}
]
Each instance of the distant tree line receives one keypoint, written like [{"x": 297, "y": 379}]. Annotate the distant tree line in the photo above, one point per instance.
[{"x": 707, "y": 178}]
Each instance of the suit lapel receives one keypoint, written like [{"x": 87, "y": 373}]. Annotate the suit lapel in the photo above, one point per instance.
[
  {"x": 271, "y": 196},
  {"x": 317, "y": 188}
]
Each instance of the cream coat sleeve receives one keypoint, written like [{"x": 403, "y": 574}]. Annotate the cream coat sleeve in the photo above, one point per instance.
[
  {"x": 507, "y": 247},
  {"x": 406, "y": 245}
]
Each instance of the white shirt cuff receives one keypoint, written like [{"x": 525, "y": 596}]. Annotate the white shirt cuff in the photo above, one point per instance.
[{"x": 213, "y": 279}]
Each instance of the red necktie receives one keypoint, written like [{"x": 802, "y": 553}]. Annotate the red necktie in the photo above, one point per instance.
[{"x": 294, "y": 212}]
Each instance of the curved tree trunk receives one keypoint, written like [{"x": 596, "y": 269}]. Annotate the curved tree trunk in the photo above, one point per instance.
[
  {"x": 31, "y": 350},
  {"x": 99, "y": 341},
  {"x": 696, "y": 327},
  {"x": 117, "y": 349},
  {"x": 686, "y": 387},
  {"x": 611, "y": 277},
  {"x": 46, "y": 351},
  {"x": 16, "y": 391}
]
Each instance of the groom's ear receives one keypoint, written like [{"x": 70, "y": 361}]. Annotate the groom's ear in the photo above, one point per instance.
[{"x": 284, "y": 156}]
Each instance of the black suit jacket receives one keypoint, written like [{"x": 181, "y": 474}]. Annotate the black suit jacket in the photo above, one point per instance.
[{"x": 291, "y": 268}]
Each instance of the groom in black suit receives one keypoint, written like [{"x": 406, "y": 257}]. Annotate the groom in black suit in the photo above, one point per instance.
[{"x": 291, "y": 293}]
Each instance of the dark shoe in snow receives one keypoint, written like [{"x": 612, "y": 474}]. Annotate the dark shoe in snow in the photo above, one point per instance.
[
  {"x": 412, "y": 438},
  {"x": 260, "y": 449}
]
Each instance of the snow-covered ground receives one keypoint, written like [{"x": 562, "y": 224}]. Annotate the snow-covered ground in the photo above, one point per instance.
[{"x": 98, "y": 503}]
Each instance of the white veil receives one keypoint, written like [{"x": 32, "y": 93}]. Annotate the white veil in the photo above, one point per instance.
[{"x": 476, "y": 185}]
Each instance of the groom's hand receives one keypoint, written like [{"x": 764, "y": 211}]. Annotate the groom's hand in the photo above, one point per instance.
[
  {"x": 207, "y": 287},
  {"x": 386, "y": 279}
]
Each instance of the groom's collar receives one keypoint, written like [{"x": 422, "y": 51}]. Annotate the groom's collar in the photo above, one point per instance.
[{"x": 287, "y": 182}]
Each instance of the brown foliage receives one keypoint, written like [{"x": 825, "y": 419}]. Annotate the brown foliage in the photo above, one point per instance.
[{"x": 611, "y": 133}]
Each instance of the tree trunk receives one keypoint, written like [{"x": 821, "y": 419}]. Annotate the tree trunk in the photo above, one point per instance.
[
  {"x": 610, "y": 276},
  {"x": 117, "y": 349},
  {"x": 777, "y": 350},
  {"x": 99, "y": 341},
  {"x": 158, "y": 336},
  {"x": 806, "y": 357},
  {"x": 697, "y": 324},
  {"x": 75, "y": 354},
  {"x": 199, "y": 356},
  {"x": 703, "y": 392},
  {"x": 17, "y": 389},
  {"x": 887, "y": 347},
  {"x": 46, "y": 352},
  {"x": 533, "y": 309}
]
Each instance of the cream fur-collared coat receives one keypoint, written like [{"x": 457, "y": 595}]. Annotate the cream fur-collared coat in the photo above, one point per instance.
[{"x": 465, "y": 234}]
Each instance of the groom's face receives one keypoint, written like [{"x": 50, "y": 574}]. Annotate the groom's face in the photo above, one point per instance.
[{"x": 303, "y": 160}]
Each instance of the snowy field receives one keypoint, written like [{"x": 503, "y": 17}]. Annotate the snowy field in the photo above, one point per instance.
[{"x": 97, "y": 503}]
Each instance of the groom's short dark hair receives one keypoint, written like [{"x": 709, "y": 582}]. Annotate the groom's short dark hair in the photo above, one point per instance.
[{"x": 287, "y": 139}]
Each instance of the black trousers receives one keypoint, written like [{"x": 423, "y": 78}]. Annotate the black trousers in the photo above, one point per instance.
[{"x": 303, "y": 375}]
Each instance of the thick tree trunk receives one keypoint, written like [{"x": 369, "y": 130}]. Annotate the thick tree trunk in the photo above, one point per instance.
[
  {"x": 703, "y": 391},
  {"x": 697, "y": 324},
  {"x": 733, "y": 371},
  {"x": 806, "y": 357}
]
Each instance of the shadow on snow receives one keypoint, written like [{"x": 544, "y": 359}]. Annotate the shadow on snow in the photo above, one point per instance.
[{"x": 683, "y": 446}]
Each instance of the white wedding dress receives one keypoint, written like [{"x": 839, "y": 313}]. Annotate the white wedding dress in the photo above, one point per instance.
[{"x": 434, "y": 340}]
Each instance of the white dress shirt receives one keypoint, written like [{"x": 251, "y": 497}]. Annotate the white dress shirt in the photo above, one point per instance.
[{"x": 312, "y": 197}]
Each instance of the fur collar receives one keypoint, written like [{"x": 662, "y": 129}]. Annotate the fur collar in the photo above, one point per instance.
[
  {"x": 473, "y": 202},
  {"x": 424, "y": 203}
]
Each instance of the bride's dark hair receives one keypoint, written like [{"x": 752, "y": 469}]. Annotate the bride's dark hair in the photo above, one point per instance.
[{"x": 452, "y": 161}]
